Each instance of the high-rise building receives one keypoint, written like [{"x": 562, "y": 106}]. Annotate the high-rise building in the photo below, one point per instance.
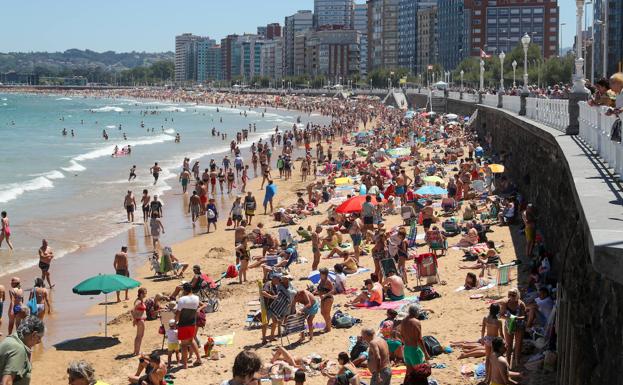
[
  {"x": 227, "y": 46},
  {"x": 333, "y": 53},
  {"x": 215, "y": 67},
  {"x": 186, "y": 57},
  {"x": 273, "y": 30},
  {"x": 203, "y": 59},
  {"x": 271, "y": 61},
  {"x": 426, "y": 38},
  {"x": 360, "y": 22},
  {"x": 614, "y": 37},
  {"x": 333, "y": 13},
  {"x": 408, "y": 31},
  {"x": 382, "y": 34},
  {"x": 454, "y": 29},
  {"x": 261, "y": 31},
  {"x": 299, "y": 22},
  {"x": 250, "y": 55}
]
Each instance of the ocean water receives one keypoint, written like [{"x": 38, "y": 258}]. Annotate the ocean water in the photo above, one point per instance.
[{"x": 70, "y": 190}]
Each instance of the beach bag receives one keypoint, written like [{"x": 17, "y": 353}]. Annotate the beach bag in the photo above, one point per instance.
[
  {"x": 229, "y": 221},
  {"x": 428, "y": 293},
  {"x": 342, "y": 320},
  {"x": 231, "y": 272},
  {"x": 433, "y": 347},
  {"x": 32, "y": 305},
  {"x": 211, "y": 214},
  {"x": 150, "y": 309},
  {"x": 201, "y": 319},
  {"x": 615, "y": 131},
  {"x": 360, "y": 347}
]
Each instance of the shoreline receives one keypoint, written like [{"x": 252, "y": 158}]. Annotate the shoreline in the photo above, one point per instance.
[{"x": 98, "y": 257}]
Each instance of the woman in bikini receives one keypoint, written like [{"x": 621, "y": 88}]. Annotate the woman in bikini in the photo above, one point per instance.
[
  {"x": 230, "y": 180},
  {"x": 42, "y": 297},
  {"x": 139, "y": 316},
  {"x": 243, "y": 256},
  {"x": 5, "y": 230},
  {"x": 325, "y": 292},
  {"x": 221, "y": 179},
  {"x": 213, "y": 177},
  {"x": 491, "y": 328},
  {"x": 17, "y": 311},
  {"x": 514, "y": 310}
]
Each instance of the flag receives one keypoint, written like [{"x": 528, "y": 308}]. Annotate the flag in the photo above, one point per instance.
[
  {"x": 483, "y": 54},
  {"x": 430, "y": 67}
]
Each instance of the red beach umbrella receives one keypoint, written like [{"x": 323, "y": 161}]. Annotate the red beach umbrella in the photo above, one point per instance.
[{"x": 353, "y": 205}]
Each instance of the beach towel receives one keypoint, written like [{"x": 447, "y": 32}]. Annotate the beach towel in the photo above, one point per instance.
[
  {"x": 397, "y": 372},
  {"x": 226, "y": 340},
  {"x": 487, "y": 287},
  {"x": 386, "y": 305}
]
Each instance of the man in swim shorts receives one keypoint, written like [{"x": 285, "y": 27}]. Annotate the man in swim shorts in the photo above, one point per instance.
[
  {"x": 411, "y": 330},
  {"x": 129, "y": 202},
  {"x": 121, "y": 267},
  {"x": 155, "y": 171},
  {"x": 500, "y": 370},
  {"x": 312, "y": 305},
  {"x": 45, "y": 259}
]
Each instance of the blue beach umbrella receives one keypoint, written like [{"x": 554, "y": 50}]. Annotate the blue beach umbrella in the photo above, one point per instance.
[
  {"x": 314, "y": 276},
  {"x": 431, "y": 190}
]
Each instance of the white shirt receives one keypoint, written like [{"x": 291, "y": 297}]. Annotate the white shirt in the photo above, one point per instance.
[
  {"x": 190, "y": 301},
  {"x": 340, "y": 283},
  {"x": 619, "y": 100},
  {"x": 545, "y": 306},
  {"x": 172, "y": 336}
]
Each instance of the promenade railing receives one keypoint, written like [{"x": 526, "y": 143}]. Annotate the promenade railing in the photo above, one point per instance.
[
  {"x": 595, "y": 131},
  {"x": 511, "y": 102},
  {"x": 454, "y": 95},
  {"x": 553, "y": 112},
  {"x": 490, "y": 100}
]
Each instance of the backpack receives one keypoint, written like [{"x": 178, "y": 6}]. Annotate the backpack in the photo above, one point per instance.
[
  {"x": 342, "y": 320},
  {"x": 231, "y": 272},
  {"x": 433, "y": 347},
  {"x": 360, "y": 347},
  {"x": 211, "y": 214},
  {"x": 428, "y": 293}
]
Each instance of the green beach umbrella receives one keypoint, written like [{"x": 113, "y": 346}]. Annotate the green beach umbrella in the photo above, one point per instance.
[{"x": 105, "y": 283}]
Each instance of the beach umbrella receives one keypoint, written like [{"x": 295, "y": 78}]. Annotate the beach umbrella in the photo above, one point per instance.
[
  {"x": 452, "y": 116},
  {"x": 343, "y": 181},
  {"x": 398, "y": 152},
  {"x": 496, "y": 168},
  {"x": 432, "y": 179},
  {"x": 353, "y": 205},
  {"x": 314, "y": 276},
  {"x": 105, "y": 283},
  {"x": 431, "y": 190}
]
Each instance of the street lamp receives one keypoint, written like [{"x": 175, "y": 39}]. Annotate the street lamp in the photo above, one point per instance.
[
  {"x": 560, "y": 38},
  {"x": 514, "y": 64},
  {"x": 598, "y": 22},
  {"x": 502, "y": 56},
  {"x": 482, "y": 75},
  {"x": 462, "y": 73},
  {"x": 525, "y": 42},
  {"x": 578, "y": 81}
]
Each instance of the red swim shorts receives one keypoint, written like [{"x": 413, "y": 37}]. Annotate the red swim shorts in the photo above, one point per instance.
[{"x": 186, "y": 332}]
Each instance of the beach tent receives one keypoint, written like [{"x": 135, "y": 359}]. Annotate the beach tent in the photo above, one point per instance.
[
  {"x": 105, "y": 283},
  {"x": 354, "y": 204}
]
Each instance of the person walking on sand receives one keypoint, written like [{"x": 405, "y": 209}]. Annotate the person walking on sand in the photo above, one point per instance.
[
  {"x": 145, "y": 199},
  {"x": 250, "y": 204},
  {"x": 120, "y": 264},
  {"x": 42, "y": 297},
  {"x": 155, "y": 228},
  {"x": 2, "y": 298},
  {"x": 155, "y": 207},
  {"x": 194, "y": 206},
  {"x": 129, "y": 202},
  {"x": 411, "y": 331},
  {"x": 184, "y": 179},
  {"x": 5, "y": 230},
  {"x": 155, "y": 171},
  {"x": 379, "y": 362},
  {"x": 132, "y": 173},
  {"x": 17, "y": 310},
  {"x": 45, "y": 260},
  {"x": 211, "y": 213},
  {"x": 271, "y": 190},
  {"x": 186, "y": 318}
]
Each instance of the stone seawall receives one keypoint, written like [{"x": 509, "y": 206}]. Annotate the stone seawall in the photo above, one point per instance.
[{"x": 579, "y": 213}]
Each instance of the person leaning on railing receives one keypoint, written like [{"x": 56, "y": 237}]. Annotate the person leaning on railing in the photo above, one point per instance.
[
  {"x": 603, "y": 95},
  {"x": 616, "y": 84}
]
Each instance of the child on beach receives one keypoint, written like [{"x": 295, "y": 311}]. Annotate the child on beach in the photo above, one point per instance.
[{"x": 173, "y": 343}]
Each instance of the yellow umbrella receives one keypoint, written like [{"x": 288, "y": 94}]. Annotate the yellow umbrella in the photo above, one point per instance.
[
  {"x": 433, "y": 179},
  {"x": 342, "y": 181},
  {"x": 496, "y": 168}
]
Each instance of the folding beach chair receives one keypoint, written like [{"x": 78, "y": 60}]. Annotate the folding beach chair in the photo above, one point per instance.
[
  {"x": 440, "y": 245},
  {"x": 407, "y": 212},
  {"x": 165, "y": 317},
  {"x": 291, "y": 324},
  {"x": 412, "y": 236},
  {"x": 427, "y": 268},
  {"x": 504, "y": 276},
  {"x": 254, "y": 314},
  {"x": 387, "y": 265}
]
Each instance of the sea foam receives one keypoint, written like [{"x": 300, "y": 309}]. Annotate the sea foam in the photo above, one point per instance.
[
  {"x": 107, "y": 109},
  {"x": 11, "y": 191},
  {"x": 108, "y": 150}
]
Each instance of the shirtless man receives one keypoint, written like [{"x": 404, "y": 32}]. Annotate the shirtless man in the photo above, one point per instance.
[
  {"x": 132, "y": 173},
  {"x": 427, "y": 215},
  {"x": 45, "y": 259},
  {"x": 155, "y": 171},
  {"x": 184, "y": 179},
  {"x": 155, "y": 370},
  {"x": 379, "y": 363},
  {"x": 316, "y": 247},
  {"x": 240, "y": 233},
  {"x": 2, "y": 298},
  {"x": 411, "y": 331},
  {"x": 129, "y": 202},
  {"x": 121, "y": 267},
  {"x": 500, "y": 371},
  {"x": 311, "y": 307},
  {"x": 145, "y": 199},
  {"x": 194, "y": 206}
]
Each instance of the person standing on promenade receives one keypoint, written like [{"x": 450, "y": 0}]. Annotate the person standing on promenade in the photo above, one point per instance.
[
  {"x": 15, "y": 352},
  {"x": 411, "y": 331},
  {"x": 129, "y": 202},
  {"x": 155, "y": 171},
  {"x": 271, "y": 191},
  {"x": 186, "y": 318},
  {"x": 379, "y": 363},
  {"x": 45, "y": 260},
  {"x": 121, "y": 267},
  {"x": 5, "y": 230},
  {"x": 145, "y": 199}
]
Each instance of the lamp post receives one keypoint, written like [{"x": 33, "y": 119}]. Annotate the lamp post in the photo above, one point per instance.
[
  {"x": 560, "y": 39},
  {"x": 595, "y": 22},
  {"x": 578, "y": 79},
  {"x": 502, "y": 56},
  {"x": 525, "y": 42},
  {"x": 482, "y": 75},
  {"x": 514, "y": 64}
]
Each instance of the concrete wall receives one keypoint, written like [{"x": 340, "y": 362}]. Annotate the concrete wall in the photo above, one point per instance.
[{"x": 541, "y": 162}]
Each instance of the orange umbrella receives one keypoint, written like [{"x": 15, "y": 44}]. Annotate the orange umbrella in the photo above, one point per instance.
[{"x": 353, "y": 205}]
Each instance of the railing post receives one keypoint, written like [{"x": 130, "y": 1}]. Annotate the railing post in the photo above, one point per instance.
[
  {"x": 500, "y": 101},
  {"x": 461, "y": 95},
  {"x": 574, "y": 112},
  {"x": 523, "y": 99},
  {"x": 480, "y": 96}
]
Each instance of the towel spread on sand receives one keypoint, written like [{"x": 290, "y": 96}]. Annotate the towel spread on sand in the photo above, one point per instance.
[
  {"x": 226, "y": 340},
  {"x": 397, "y": 372},
  {"x": 386, "y": 305}
]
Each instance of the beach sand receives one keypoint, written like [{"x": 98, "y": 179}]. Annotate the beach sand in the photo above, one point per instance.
[{"x": 456, "y": 317}]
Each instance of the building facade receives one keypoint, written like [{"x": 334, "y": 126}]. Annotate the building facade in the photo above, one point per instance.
[
  {"x": 250, "y": 56},
  {"x": 271, "y": 60},
  {"x": 273, "y": 30},
  {"x": 186, "y": 57},
  {"x": 383, "y": 42},
  {"x": 227, "y": 46},
  {"x": 203, "y": 59},
  {"x": 334, "y": 13},
  {"x": 453, "y": 31},
  {"x": 426, "y": 53},
  {"x": 408, "y": 31},
  {"x": 360, "y": 23},
  {"x": 295, "y": 24},
  {"x": 612, "y": 12},
  {"x": 332, "y": 53}
]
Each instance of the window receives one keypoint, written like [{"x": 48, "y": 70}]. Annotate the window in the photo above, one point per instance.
[
  {"x": 537, "y": 11},
  {"x": 526, "y": 11},
  {"x": 527, "y": 20},
  {"x": 476, "y": 40},
  {"x": 492, "y": 21},
  {"x": 491, "y": 11},
  {"x": 478, "y": 12},
  {"x": 476, "y": 22},
  {"x": 476, "y": 30},
  {"x": 503, "y": 21},
  {"x": 514, "y": 30},
  {"x": 552, "y": 38},
  {"x": 553, "y": 29},
  {"x": 553, "y": 10},
  {"x": 515, "y": 20},
  {"x": 537, "y": 20},
  {"x": 492, "y": 38},
  {"x": 514, "y": 11},
  {"x": 553, "y": 19},
  {"x": 503, "y": 11}
]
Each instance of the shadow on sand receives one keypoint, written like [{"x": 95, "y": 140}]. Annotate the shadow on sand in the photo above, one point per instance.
[{"x": 86, "y": 344}]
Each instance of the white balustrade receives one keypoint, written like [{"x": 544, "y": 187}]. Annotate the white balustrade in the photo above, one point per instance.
[
  {"x": 454, "y": 95},
  {"x": 595, "y": 130},
  {"x": 490, "y": 100},
  {"x": 470, "y": 97},
  {"x": 511, "y": 103}
]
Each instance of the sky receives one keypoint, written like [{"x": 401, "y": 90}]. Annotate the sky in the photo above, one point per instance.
[{"x": 151, "y": 25}]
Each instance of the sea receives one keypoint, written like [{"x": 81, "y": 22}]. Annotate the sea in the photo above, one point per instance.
[{"x": 69, "y": 189}]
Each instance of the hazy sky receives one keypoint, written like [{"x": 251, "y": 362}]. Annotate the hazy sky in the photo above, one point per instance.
[{"x": 150, "y": 25}]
